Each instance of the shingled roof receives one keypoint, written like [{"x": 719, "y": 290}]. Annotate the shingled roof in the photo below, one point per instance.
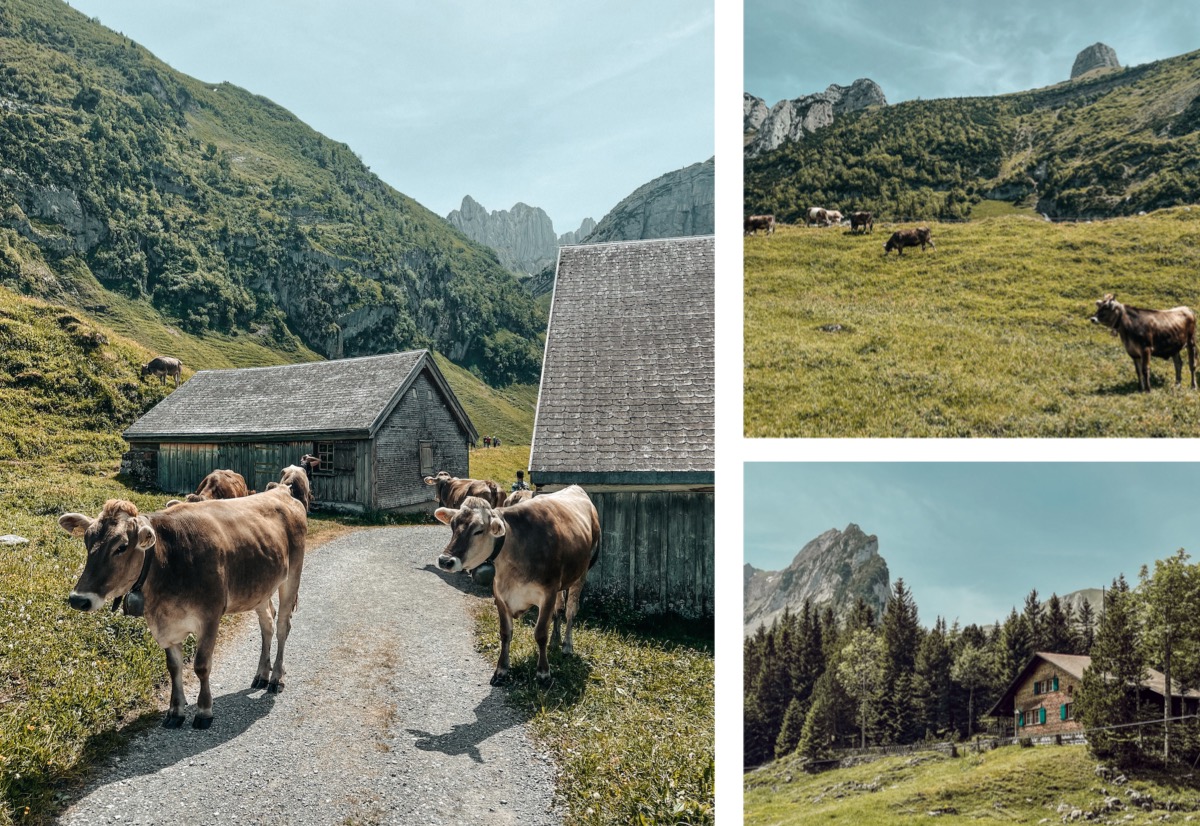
[
  {"x": 627, "y": 380},
  {"x": 346, "y": 398}
]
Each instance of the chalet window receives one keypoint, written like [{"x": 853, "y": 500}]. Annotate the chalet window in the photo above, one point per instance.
[
  {"x": 324, "y": 452},
  {"x": 1066, "y": 711},
  {"x": 1054, "y": 684},
  {"x": 1032, "y": 717},
  {"x": 426, "y": 449}
]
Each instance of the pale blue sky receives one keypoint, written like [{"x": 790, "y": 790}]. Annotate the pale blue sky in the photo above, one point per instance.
[
  {"x": 566, "y": 106},
  {"x": 971, "y": 539},
  {"x": 949, "y": 48}
]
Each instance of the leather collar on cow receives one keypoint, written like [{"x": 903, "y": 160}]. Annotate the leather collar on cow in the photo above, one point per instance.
[{"x": 136, "y": 609}]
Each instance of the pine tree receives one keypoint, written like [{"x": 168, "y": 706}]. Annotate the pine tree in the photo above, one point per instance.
[
  {"x": 820, "y": 724},
  {"x": 793, "y": 725},
  {"x": 1057, "y": 634},
  {"x": 901, "y": 636},
  {"x": 1033, "y": 617},
  {"x": 1108, "y": 695},
  {"x": 933, "y": 680},
  {"x": 1087, "y": 627}
]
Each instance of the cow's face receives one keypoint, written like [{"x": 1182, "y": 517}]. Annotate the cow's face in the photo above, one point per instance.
[
  {"x": 442, "y": 476},
  {"x": 1108, "y": 311},
  {"x": 475, "y": 528},
  {"x": 117, "y": 542}
]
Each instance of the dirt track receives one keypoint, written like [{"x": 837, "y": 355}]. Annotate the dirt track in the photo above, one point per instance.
[{"x": 387, "y": 717}]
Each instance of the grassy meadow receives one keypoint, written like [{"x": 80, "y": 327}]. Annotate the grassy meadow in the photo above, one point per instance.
[
  {"x": 629, "y": 718},
  {"x": 986, "y": 336},
  {"x": 1008, "y": 785}
]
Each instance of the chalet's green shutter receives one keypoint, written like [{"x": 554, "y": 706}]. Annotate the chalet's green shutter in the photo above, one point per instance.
[
  {"x": 1055, "y": 684},
  {"x": 1020, "y": 718},
  {"x": 1042, "y": 714},
  {"x": 1062, "y": 711}
]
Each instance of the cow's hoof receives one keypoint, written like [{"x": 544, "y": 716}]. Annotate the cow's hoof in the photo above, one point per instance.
[
  {"x": 499, "y": 679},
  {"x": 172, "y": 721},
  {"x": 545, "y": 680},
  {"x": 274, "y": 687},
  {"x": 201, "y": 722},
  {"x": 568, "y": 649},
  {"x": 259, "y": 682}
]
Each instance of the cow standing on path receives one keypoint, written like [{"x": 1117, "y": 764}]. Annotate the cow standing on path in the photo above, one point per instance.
[
  {"x": 1146, "y": 333},
  {"x": 450, "y": 491},
  {"x": 187, "y": 566},
  {"x": 542, "y": 550},
  {"x": 163, "y": 366}
]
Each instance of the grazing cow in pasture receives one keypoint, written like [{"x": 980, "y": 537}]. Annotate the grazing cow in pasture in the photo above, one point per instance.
[
  {"x": 450, "y": 491},
  {"x": 188, "y": 565},
  {"x": 517, "y": 497},
  {"x": 220, "y": 484},
  {"x": 163, "y": 366},
  {"x": 542, "y": 550},
  {"x": 1146, "y": 333},
  {"x": 863, "y": 221},
  {"x": 754, "y": 223},
  {"x": 817, "y": 217},
  {"x": 902, "y": 238},
  {"x": 832, "y": 217}
]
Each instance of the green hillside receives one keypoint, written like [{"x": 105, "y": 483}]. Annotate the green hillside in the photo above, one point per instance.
[
  {"x": 1109, "y": 143},
  {"x": 505, "y": 412},
  {"x": 223, "y": 213},
  {"x": 1009, "y": 785},
  {"x": 986, "y": 336}
]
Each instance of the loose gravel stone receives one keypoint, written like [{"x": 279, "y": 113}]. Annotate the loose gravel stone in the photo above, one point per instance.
[{"x": 387, "y": 716}]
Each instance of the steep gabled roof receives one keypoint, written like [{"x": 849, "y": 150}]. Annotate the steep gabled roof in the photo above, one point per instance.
[
  {"x": 1075, "y": 665},
  {"x": 347, "y": 398},
  {"x": 627, "y": 389}
]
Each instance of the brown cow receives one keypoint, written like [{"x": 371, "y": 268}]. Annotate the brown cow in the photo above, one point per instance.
[
  {"x": 187, "y": 566},
  {"x": 220, "y": 484},
  {"x": 902, "y": 238},
  {"x": 163, "y": 366},
  {"x": 817, "y": 216},
  {"x": 542, "y": 550},
  {"x": 864, "y": 221},
  {"x": 754, "y": 223},
  {"x": 1146, "y": 333},
  {"x": 450, "y": 491},
  {"x": 517, "y": 497},
  {"x": 294, "y": 478},
  {"x": 832, "y": 217}
]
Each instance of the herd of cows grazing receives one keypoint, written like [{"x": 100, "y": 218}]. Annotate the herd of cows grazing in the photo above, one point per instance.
[
  {"x": 1144, "y": 333},
  {"x": 228, "y": 550}
]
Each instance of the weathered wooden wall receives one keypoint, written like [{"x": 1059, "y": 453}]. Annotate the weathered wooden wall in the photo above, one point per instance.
[
  {"x": 657, "y": 550},
  {"x": 181, "y": 467}
]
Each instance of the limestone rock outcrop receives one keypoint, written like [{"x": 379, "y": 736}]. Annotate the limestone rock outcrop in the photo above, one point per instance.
[
  {"x": 790, "y": 120},
  {"x": 677, "y": 204},
  {"x": 1096, "y": 56}
]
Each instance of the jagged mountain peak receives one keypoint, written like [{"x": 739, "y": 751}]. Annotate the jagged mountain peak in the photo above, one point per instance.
[
  {"x": 1095, "y": 56},
  {"x": 790, "y": 120},
  {"x": 834, "y": 568}
]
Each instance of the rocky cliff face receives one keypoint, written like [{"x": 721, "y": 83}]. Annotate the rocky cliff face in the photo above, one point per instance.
[
  {"x": 790, "y": 120},
  {"x": 523, "y": 237},
  {"x": 1096, "y": 56},
  {"x": 586, "y": 227},
  {"x": 834, "y": 569},
  {"x": 677, "y": 204}
]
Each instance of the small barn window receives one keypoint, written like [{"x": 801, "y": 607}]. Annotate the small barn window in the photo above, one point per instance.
[
  {"x": 324, "y": 452},
  {"x": 429, "y": 395},
  {"x": 426, "y": 458}
]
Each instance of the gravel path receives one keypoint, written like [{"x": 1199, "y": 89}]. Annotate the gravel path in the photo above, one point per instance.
[{"x": 387, "y": 717}]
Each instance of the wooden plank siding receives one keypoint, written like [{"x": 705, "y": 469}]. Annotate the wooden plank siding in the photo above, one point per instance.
[
  {"x": 657, "y": 550},
  {"x": 181, "y": 467}
]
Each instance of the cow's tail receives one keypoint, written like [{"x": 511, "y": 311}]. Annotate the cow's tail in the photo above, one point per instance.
[{"x": 595, "y": 554}]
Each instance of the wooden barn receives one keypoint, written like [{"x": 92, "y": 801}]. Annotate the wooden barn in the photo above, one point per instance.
[
  {"x": 626, "y": 410},
  {"x": 378, "y": 424},
  {"x": 1040, "y": 701}
]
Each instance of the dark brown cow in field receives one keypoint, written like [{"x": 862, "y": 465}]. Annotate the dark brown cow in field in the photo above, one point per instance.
[
  {"x": 517, "y": 497},
  {"x": 451, "y": 491},
  {"x": 163, "y": 366},
  {"x": 863, "y": 221},
  {"x": 1146, "y": 333},
  {"x": 902, "y": 238},
  {"x": 187, "y": 566},
  {"x": 754, "y": 223},
  {"x": 542, "y": 550},
  {"x": 220, "y": 484}
]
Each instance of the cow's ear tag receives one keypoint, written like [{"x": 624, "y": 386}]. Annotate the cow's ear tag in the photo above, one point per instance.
[
  {"x": 75, "y": 524},
  {"x": 497, "y": 527}
]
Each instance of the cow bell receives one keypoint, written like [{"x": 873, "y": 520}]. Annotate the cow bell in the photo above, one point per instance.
[
  {"x": 484, "y": 573},
  {"x": 134, "y": 604}
]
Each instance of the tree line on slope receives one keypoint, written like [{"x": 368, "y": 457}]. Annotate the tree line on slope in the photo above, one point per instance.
[{"x": 813, "y": 684}]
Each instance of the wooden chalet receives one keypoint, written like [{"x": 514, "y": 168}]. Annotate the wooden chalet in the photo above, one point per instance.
[
  {"x": 378, "y": 424},
  {"x": 626, "y": 410},
  {"x": 1041, "y": 700}
]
